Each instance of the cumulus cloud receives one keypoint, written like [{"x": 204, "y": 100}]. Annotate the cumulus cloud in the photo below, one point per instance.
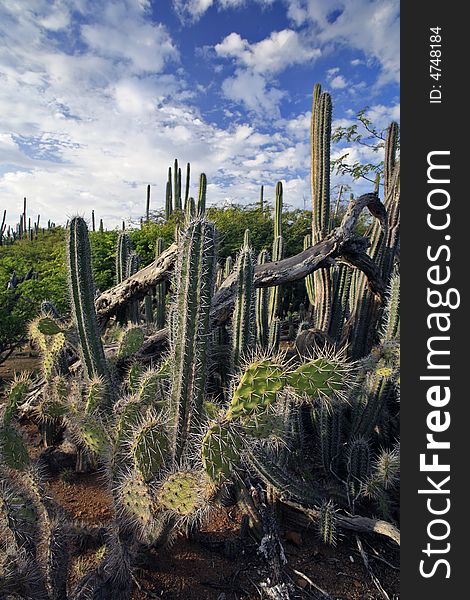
[
  {"x": 258, "y": 62},
  {"x": 271, "y": 55},
  {"x": 371, "y": 26}
]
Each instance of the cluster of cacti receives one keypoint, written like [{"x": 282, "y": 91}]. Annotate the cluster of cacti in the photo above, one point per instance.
[
  {"x": 173, "y": 192},
  {"x": 215, "y": 410},
  {"x": 25, "y": 228},
  {"x": 342, "y": 305}
]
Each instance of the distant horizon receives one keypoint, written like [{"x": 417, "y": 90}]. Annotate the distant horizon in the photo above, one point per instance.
[{"x": 97, "y": 101}]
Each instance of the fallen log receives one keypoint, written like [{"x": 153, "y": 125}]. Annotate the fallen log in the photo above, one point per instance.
[
  {"x": 343, "y": 244},
  {"x": 354, "y": 523}
]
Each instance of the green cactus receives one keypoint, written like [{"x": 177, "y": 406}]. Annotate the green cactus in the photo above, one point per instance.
[
  {"x": 243, "y": 337},
  {"x": 133, "y": 265},
  {"x": 341, "y": 285},
  {"x": 13, "y": 451},
  {"x": 45, "y": 332},
  {"x": 183, "y": 494},
  {"x": 149, "y": 446},
  {"x": 201, "y": 199},
  {"x": 329, "y": 431},
  {"x": 309, "y": 280},
  {"x": 136, "y": 501},
  {"x": 359, "y": 464},
  {"x": 186, "y": 192},
  {"x": 320, "y": 378},
  {"x": 320, "y": 151},
  {"x": 15, "y": 395},
  {"x": 82, "y": 293},
  {"x": 195, "y": 280},
  {"x": 262, "y": 307},
  {"x": 130, "y": 341},
  {"x": 160, "y": 292},
  {"x": 123, "y": 251},
  {"x": 228, "y": 266},
  {"x": 327, "y": 523},
  {"x": 274, "y": 336},
  {"x": 278, "y": 251},
  {"x": 220, "y": 451},
  {"x": 257, "y": 388},
  {"x": 134, "y": 374},
  {"x": 384, "y": 249},
  {"x": 391, "y": 324},
  {"x": 95, "y": 395},
  {"x": 168, "y": 199},
  {"x": 177, "y": 186}
]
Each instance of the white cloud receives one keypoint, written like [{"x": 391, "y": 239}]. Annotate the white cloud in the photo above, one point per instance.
[
  {"x": 257, "y": 63},
  {"x": 338, "y": 82},
  {"x": 193, "y": 10},
  {"x": 271, "y": 55},
  {"x": 368, "y": 25}
]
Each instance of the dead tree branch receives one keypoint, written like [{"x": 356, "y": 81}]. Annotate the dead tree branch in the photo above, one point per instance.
[{"x": 342, "y": 244}]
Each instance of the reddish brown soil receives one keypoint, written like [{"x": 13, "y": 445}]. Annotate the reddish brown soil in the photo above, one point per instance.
[{"x": 216, "y": 561}]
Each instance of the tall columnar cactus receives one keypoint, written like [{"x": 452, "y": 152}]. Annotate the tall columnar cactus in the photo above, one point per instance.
[
  {"x": 82, "y": 297},
  {"x": 383, "y": 250},
  {"x": 201, "y": 199},
  {"x": 391, "y": 322},
  {"x": 190, "y": 210},
  {"x": 309, "y": 280},
  {"x": 341, "y": 284},
  {"x": 262, "y": 307},
  {"x": 160, "y": 292},
  {"x": 188, "y": 180},
  {"x": 147, "y": 206},
  {"x": 278, "y": 251},
  {"x": 228, "y": 266},
  {"x": 177, "y": 186},
  {"x": 274, "y": 336},
  {"x": 123, "y": 251},
  {"x": 168, "y": 197},
  {"x": 133, "y": 264},
  {"x": 320, "y": 178},
  {"x": 195, "y": 279},
  {"x": 243, "y": 335},
  {"x": 261, "y": 198}
]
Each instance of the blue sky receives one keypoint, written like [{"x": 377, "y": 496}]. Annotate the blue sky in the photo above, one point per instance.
[{"x": 98, "y": 98}]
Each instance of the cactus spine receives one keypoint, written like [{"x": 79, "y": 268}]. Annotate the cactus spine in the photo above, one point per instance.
[
  {"x": 278, "y": 251},
  {"x": 82, "y": 295},
  {"x": 195, "y": 279},
  {"x": 244, "y": 314}
]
